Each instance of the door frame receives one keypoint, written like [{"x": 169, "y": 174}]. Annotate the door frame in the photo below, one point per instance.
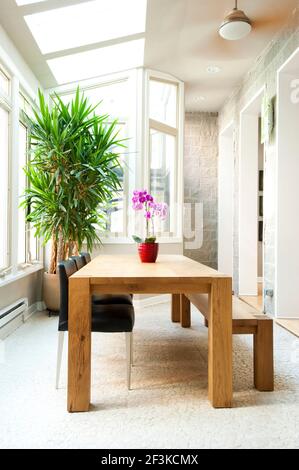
[
  {"x": 248, "y": 195},
  {"x": 286, "y": 186}
]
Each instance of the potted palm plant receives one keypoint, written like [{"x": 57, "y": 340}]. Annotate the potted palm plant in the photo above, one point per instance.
[{"x": 72, "y": 176}]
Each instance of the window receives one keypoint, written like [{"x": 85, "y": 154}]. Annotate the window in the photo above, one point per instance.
[
  {"x": 117, "y": 214},
  {"x": 163, "y": 102},
  {"x": 164, "y": 152},
  {"x": 23, "y": 147},
  {"x": 4, "y": 82},
  {"x": 151, "y": 118},
  {"x": 87, "y": 23},
  {"x": 27, "y": 2},
  {"x": 25, "y": 106},
  {"x": 163, "y": 174},
  {"x": 27, "y": 242},
  {"x": 18, "y": 247},
  {"x": 96, "y": 62},
  {"x": 116, "y": 101},
  {"x": 4, "y": 175}
]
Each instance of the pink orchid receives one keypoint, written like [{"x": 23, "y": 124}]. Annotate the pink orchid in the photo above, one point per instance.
[{"x": 142, "y": 200}]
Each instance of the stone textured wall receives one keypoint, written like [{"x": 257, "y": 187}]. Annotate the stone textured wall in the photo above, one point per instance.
[
  {"x": 263, "y": 73},
  {"x": 200, "y": 187}
]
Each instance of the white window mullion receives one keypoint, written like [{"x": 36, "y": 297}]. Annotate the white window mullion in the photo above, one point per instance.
[
  {"x": 165, "y": 127},
  {"x": 161, "y": 127},
  {"x": 180, "y": 156},
  {"x": 14, "y": 160}
]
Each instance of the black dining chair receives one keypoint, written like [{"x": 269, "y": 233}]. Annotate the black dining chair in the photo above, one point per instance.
[
  {"x": 79, "y": 260},
  {"x": 106, "y": 298},
  {"x": 106, "y": 318},
  {"x": 86, "y": 256}
]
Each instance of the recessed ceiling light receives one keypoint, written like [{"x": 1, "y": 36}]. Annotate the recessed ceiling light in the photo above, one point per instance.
[
  {"x": 102, "y": 61},
  {"x": 198, "y": 99},
  {"x": 213, "y": 69},
  {"x": 86, "y": 23}
]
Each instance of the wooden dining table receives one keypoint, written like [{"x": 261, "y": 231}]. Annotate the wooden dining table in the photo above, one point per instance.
[{"x": 171, "y": 274}]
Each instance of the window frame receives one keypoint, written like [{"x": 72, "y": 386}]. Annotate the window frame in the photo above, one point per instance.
[
  {"x": 138, "y": 126},
  {"x": 7, "y": 238},
  {"x": 131, "y": 76},
  {"x": 178, "y": 133},
  {"x": 6, "y": 104},
  {"x": 28, "y": 229},
  {"x": 11, "y": 103},
  {"x": 6, "y": 74},
  {"x": 22, "y": 263}
]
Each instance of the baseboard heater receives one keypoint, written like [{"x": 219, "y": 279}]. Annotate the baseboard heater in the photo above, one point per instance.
[{"x": 12, "y": 311}]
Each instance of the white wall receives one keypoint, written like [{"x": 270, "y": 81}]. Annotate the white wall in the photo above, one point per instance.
[
  {"x": 15, "y": 64},
  {"x": 112, "y": 249},
  {"x": 226, "y": 200},
  {"x": 27, "y": 287},
  {"x": 248, "y": 202},
  {"x": 287, "y": 198}
]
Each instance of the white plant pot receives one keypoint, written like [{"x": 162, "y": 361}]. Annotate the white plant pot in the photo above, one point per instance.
[{"x": 51, "y": 291}]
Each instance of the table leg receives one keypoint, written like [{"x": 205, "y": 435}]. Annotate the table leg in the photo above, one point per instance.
[
  {"x": 263, "y": 356},
  {"x": 175, "y": 308},
  {"x": 79, "y": 350},
  {"x": 185, "y": 312},
  {"x": 220, "y": 343}
]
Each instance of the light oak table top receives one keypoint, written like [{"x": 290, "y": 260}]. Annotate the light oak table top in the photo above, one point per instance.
[
  {"x": 125, "y": 273},
  {"x": 123, "y": 266}
]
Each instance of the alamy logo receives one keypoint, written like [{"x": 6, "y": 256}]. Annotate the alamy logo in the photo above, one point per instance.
[
  {"x": 295, "y": 91},
  {"x": 193, "y": 226}
]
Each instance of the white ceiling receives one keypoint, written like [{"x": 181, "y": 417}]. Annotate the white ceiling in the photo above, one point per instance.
[{"x": 181, "y": 39}]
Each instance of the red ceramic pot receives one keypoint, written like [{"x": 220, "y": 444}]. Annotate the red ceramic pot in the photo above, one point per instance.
[{"x": 148, "y": 252}]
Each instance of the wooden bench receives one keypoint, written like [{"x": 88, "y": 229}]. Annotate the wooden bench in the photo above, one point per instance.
[{"x": 246, "y": 321}]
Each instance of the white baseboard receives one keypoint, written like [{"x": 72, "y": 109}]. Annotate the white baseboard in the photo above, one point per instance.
[
  {"x": 30, "y": 311},
  {"x": 8, "y": 329},
  {"x": 149, "y": 301}
]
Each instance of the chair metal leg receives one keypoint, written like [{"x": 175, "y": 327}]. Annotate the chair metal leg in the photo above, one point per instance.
[
  {"x": 59, "y": 356},
  {"x": 132, "y": 349},
  {"x": 129, "y": 347}
]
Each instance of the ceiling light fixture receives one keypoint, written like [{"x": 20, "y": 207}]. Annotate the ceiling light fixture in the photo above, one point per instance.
[
  {"x": 236, "y": 25},
  {"x": 213, "y": 69}
]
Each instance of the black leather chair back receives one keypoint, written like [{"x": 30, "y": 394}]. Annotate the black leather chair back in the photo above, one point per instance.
[
  {"x": 65, "y": 270},
  {"x": 86, "y": 256},
  {"x": 79, "y": 260}
]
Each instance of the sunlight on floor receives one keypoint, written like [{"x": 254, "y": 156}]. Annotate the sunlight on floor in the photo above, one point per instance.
[
  {"x": 291, "y": 325},
  {"x": 255, "y": 301}
]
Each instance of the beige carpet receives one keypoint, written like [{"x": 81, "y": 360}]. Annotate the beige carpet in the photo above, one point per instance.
[{"x": 168, "y": 406}]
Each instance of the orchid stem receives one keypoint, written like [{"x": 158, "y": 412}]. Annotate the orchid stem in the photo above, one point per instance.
[{"x": 147, "y": 226}]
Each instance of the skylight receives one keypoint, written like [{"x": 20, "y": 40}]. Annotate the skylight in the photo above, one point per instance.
[
  {"x": 27, "y": 2},
  {"x": 87, "y": 23},
  {"x": 98, "y": 62}
]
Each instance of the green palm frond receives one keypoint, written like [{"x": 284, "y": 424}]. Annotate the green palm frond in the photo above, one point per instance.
[{"x": 74, "y": 170}]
